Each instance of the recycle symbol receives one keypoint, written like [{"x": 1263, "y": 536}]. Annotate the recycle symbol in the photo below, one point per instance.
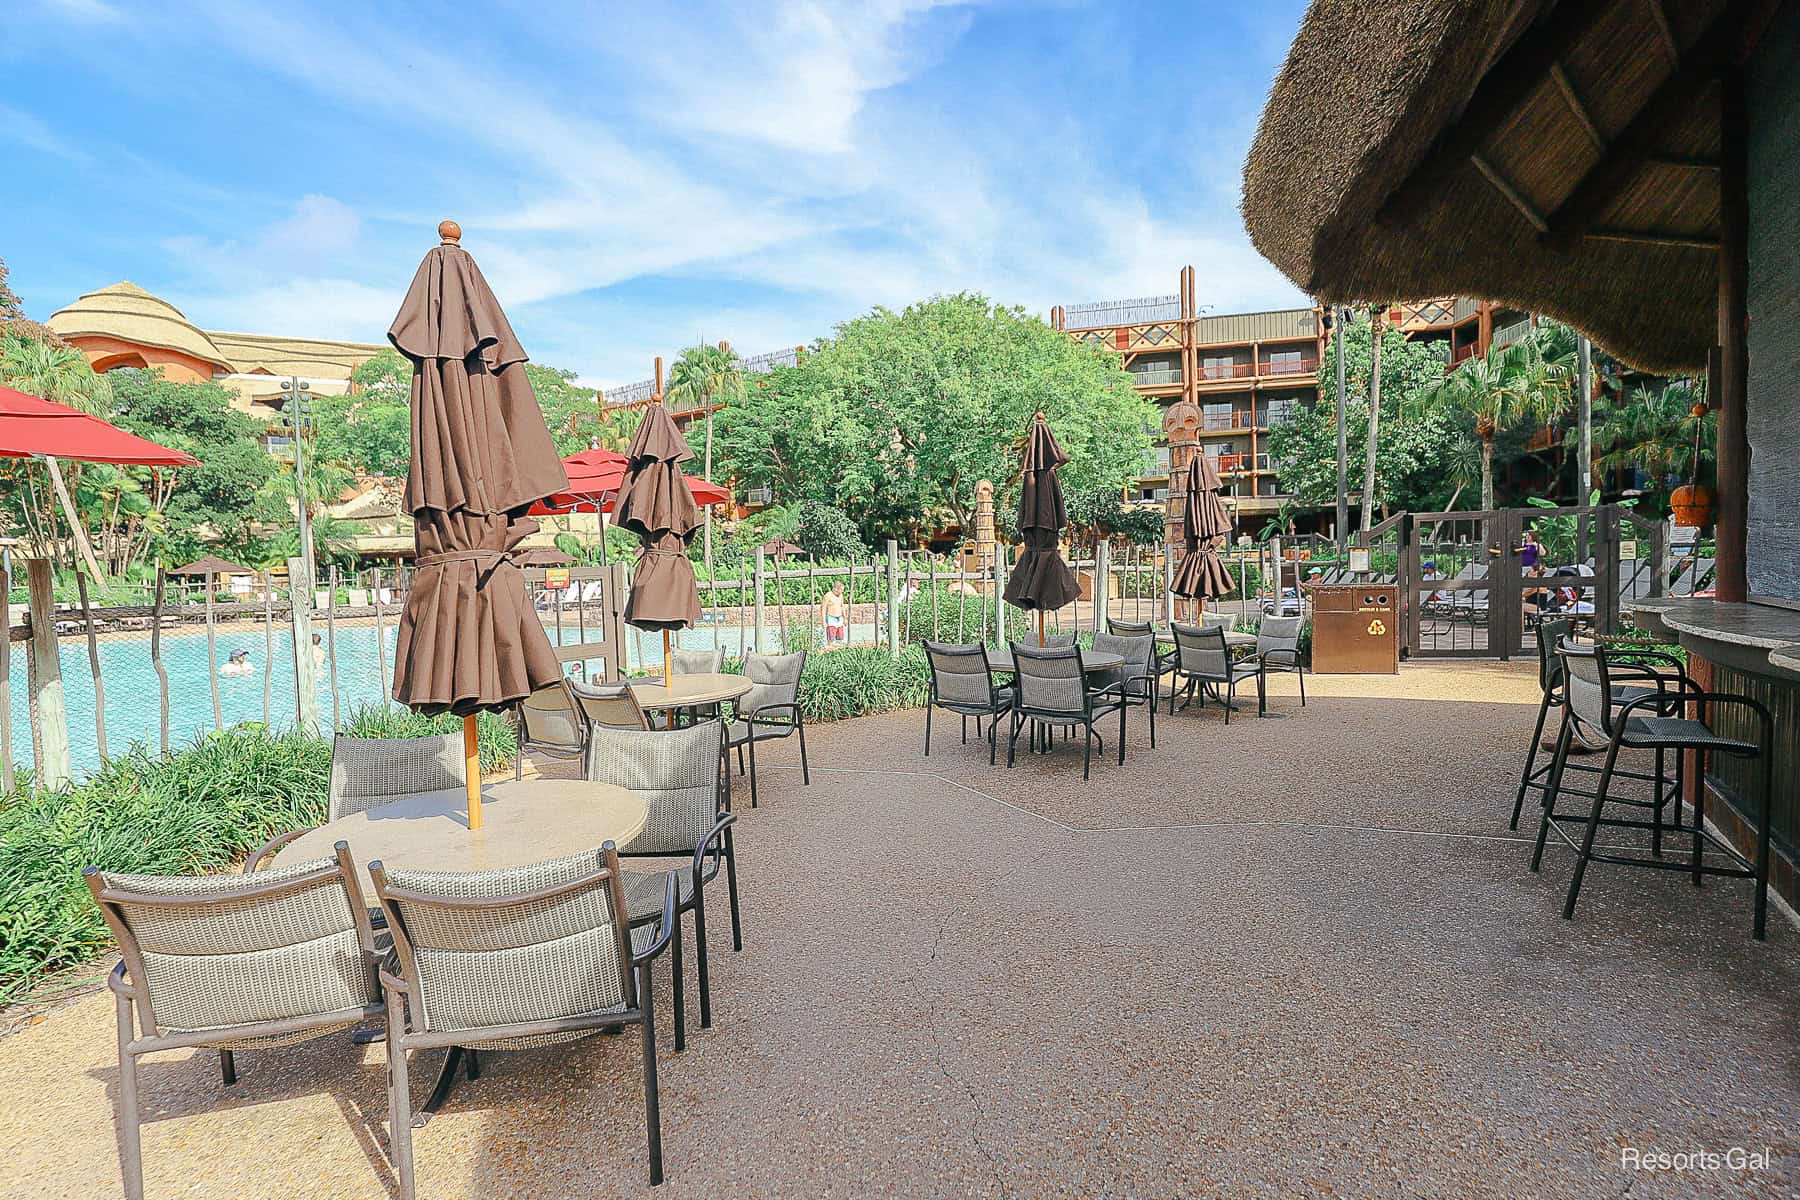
[{"x": 1377, "y": 627}]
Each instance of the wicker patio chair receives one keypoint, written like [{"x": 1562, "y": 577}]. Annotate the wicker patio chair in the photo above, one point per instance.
[
  {"x": 1052, "y": 690},
  {"x": 1203, "y": 662},
  {"x": 697, "y": 662},
  {"x": 1278, "y": 649},
  {"x": 550, "y": 721},
  {"x": 608, "y": 704},
  {"x": 1656, "y": 722},
  {"x": 962, "y": 683},
  {"x": 513, "y": 959},
  {"x": 677, "y": 772},
  {"x": 232, "y": 962},
  {"x": 770, "y": 709},
  {"x": 370, "y": 772},
  {"x": 1137, "y": 678},
  {"x": 1163, "y": 659}
]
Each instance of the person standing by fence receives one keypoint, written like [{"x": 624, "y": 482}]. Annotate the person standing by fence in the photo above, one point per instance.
[{"x": 836, "y": 615}]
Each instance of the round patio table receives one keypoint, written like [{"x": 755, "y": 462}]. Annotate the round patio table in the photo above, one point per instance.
[
  {"x": 523, "y": 822},
  {"x": 1233, "y": 638},
  {"x": 1001, "y": 661},
  {"x": 689, "y": 691}
]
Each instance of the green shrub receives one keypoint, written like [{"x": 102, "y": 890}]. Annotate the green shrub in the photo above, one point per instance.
[
  {"x": 853, "y": 680},
  {"x": 199, "y": 810},
  {"x": 825, "y": 532}
]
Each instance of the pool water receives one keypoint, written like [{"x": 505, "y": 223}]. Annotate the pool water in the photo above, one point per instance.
[{"x": 133, "y": 711}]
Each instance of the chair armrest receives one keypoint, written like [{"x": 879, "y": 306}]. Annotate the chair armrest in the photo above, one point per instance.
[
  {"x": 665, "y": 927},
  {"x": 1115, "y": 688},
  {"x": 715, "y": 834},
  {"x": 119, "y": 980},
  {"x": 760, "y": 717},
  {"x": 1268, "y": 656},
  {"x": 268, "y": 848}
]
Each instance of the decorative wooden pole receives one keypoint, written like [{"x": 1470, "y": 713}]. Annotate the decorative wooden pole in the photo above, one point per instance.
[{"x": 1181, "y": 429}]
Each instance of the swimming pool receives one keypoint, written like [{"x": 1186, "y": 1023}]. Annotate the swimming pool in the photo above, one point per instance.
[{"x": 132, "y": 706}]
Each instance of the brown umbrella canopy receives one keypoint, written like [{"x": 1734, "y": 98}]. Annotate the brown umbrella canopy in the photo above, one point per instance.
[
  {"x": 481, "y": 454},
  {"x": 1201, "y": 574},
  {"x": 1041, "y": 580},
  {"x": 656, "y": 504}
]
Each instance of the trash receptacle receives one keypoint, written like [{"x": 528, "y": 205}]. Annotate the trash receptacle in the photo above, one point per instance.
[{"x": 1356, "y": 629}]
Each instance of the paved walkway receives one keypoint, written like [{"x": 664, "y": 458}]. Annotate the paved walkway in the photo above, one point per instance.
[{"x": 1298, "y": 957}]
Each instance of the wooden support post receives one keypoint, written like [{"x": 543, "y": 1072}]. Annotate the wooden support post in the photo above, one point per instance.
[
  {"x": 613, "y": 619},
  {"x": 1102, "y": 583},
  {"x": 1000, "y": 594},
  {"x": 380, "y": 640},
  {"x": 93, "y": 649},
  {"x": 893, "y": 596},
  {"x": 49, "y": 712},
  {"x": 212, "y": 656},
  {"x": 268, "y": 650},
  {"x": 472, "y": 770},
  {"x": 162, "y": 672},
  {"x": 6, "y": 755},
  {"x": 761, "y": 566},
  {"x": 306, "y": 684},
  {"x": 1733, "y": 455},
  {"x": 331, "y": 642}
]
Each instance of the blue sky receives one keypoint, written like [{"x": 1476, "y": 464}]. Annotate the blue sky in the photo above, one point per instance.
[{"x": 631, "y": 177}]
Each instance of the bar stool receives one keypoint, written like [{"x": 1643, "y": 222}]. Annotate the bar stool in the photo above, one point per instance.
[
  {"x": 1627, "y": 662},
  {"x": 1653, "y": 722}
]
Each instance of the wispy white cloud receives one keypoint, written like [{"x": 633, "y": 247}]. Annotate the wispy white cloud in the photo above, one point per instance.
[
  {"x": 750, "y": 171},
  {"x": 23, "y": 129}
]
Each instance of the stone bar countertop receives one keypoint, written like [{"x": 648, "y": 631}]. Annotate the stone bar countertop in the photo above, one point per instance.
[{"x": 1752, "y": 637}]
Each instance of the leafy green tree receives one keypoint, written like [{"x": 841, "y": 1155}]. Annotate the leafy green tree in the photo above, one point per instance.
[
  {"x": 216, "y": 500},
  {"x": 826, "y": 533},
  {"x": 897, "y": 417},
  {"x": 1509, "y": 386},
  {"x": 1419, "y": 461}
]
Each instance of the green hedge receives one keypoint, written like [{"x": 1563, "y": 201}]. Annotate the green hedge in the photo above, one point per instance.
[{"x": 198, "y": 810}]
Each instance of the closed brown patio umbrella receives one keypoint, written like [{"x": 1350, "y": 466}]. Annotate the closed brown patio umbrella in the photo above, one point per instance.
[
  {"x": 656, "y": 504},
  {"x": 1041, "y": 580},
  {"x": 481, "y": 455},
  {"x": 1201, "y": 574}
]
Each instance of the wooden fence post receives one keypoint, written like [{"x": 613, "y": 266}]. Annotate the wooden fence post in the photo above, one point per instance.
[
  {"x": 306, "y": 684},
  {"x": 893, "y": 597},
  {"x": 756, "y": 636},
  {"x": 613, "y": 619},
  {"x": 162, "y": 672},
  {"x": 380, "y": 640},
  {"x": 93, "y": 649},
  {"x": 212, "y": 656},
  {"x": 6, "y": 756},
  {"x": 1102, "y": 583},
  {"x": 48, "y": 710}
]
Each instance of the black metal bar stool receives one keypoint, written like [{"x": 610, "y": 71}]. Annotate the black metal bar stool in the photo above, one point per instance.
[
  {"x": 1653, "y": 722},
  {"x": 1627, "y": 664}
]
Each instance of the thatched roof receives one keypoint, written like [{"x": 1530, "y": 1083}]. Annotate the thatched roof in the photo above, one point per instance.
[
  {"x": 128, "y": 313},
  {"x": 1559, "y": 158}
]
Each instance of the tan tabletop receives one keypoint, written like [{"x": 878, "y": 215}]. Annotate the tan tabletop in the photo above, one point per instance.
[
  {"x": 1233, "y": 638},
  {"x": 689, "y": 691},
  {"x": 1091, "y": 660},
  {"x": 521, "y": 822}
]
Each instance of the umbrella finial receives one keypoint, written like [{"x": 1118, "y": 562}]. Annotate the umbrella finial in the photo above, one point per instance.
[
  {"x": 450, "y": 232},
  {"x": 657, "y": 393}
]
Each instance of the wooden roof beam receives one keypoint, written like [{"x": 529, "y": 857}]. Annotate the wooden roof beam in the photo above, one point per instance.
[
  {"x": 1576, "y": 108},
  {"x": 1506, "y": 85},
  {"x": 1505, "y": 187},
  {"x": 1635, "y": 144},
  {"x": 1664, "y": 30}
]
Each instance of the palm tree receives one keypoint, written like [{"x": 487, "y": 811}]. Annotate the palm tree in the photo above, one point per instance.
[
  {"x": 1507, "y": 386},
  {"x": 1654, "y": 430},
  {"x": 60, "y": 374},
  {"x": 704, "y": 377}
]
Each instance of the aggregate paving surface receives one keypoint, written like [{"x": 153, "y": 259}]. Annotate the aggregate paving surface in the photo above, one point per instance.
[{"x": 1295, "y": 957}]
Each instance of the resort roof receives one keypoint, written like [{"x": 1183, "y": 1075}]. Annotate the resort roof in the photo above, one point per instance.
[
  {"x": 127, "y": 312},
  {"x": 314, "y": 358},
  {"x": 210, "y": 565},
  {"x": 1560, "y": 158}
]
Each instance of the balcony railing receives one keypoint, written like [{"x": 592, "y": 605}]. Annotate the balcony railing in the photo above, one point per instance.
[
  {"x": 1291, "y": 366},
  {"x": 759, "y": 495},
  {"x": 1157, "y": 376},
  {"x": 1518, "y": 331},
  {"x": 1236, "y": 419},
  {"x": 1231, "y": 370},
  {"x": 1461, "y": 352},
  {"x": 1230, "y": 462}
]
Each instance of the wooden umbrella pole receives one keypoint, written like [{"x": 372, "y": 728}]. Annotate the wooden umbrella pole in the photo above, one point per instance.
[
  {"x": 668, "y": 662},
  {"x": 1040, "y": 629},
  {"x": 472, "y": 769}
]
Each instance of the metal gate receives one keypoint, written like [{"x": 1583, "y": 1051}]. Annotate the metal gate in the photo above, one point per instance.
[{"x": 1478, "y": 584}]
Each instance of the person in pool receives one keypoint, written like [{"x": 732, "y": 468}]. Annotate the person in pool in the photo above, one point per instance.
[{"x": 238, "y": 664}]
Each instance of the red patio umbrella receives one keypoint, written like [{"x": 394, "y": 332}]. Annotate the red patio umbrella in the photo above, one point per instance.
[
  {"x": 595, "y": 477},
  {"x": 34, "y": 428}
]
